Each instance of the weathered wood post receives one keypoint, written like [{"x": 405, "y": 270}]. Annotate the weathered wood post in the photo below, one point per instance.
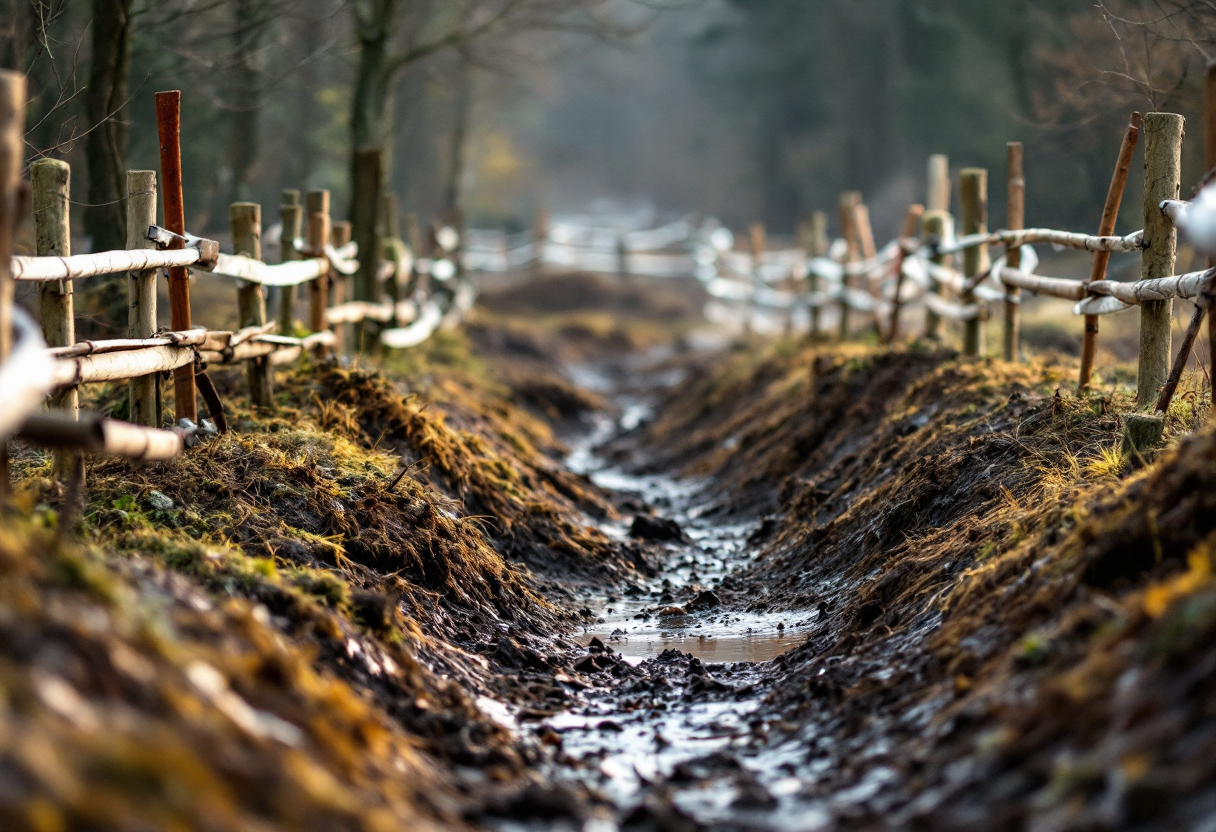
[
  {"x": 1162, "y": 180},
  {"x": 12, "y": 130},
  {"x": 1110, "y": 215},
  {"x": 413, "y": 236},
  {"x": 341, "y": 289},
  {"x": 849, "y": 200},
  {"x": 936, "y": 225},
  {"x": 622, "y": 257},
  {"x": 246, "y": 219},
  {"x": 866, "y": 249},
  {"x": 540, "y": 238},
  {"x": 316, "y": 205},
  {"x": 291, "y": 218},
  {"x": 1015, "y": 220},
  {"x": 51, "y": 181},
  {"x": 168, "y": 126},
  {"x": 143, "y": 392},
  {"x": 365, "y": 207},
  {"x": 757, "y": 239},
  {"x": 973, "y": 201},
  {"x": 390, "y": 239},
  {"x": 911, "y": 230},
  {"x": 938, "y": 196},
  {"x": 817, "y": 245}
]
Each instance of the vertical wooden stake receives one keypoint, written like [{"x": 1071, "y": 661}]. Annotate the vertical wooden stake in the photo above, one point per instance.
[
  {"x": 316, "y": 205},
  {"x": 12, "y": 130},
  {"x": 973, "y": 201},
  {"x": 390, "y": 240},
  {"x": 51, "y": 181},
  {"x": 936, "y": 225},
  {"x": 168, "y": 126},
  {"x": 291, "y": 217},
  {"x": 911, "y": 231},
  {"x": 817, "y": 246},
  {"x": 938, "y": 195},
  {"x": 1209, "y": 161},
  {"x": 540, "y": 238},
  {"x": 341, "y": 289},
  {"x": 1015, "y": 220},
  {"x": 413, "y": 237},
  {"x": 246, "y": 219},
  {"x": 141, "y": 291},
  {"x": 1110, "y": 214},
  {"x": 365, "y": 208},
  {"x": 849, "y": 200},
  {"x": 757, "y": 238},
  {"x": 1162, "y": 180},
  {"x": 866, "y": 250}
]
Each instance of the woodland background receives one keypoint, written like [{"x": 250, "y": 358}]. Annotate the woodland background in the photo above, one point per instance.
[{"x": 742, "y": 109}]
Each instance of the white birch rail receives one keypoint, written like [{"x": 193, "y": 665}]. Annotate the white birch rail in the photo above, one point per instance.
[
  {"x": 1056, "y": 287},
  {"x": 293, "y": 273},
  {"x": 103, "y": 437},
  {"x": 26, "y": 376},
  {"x": 1047, "y": 236},
  {"x": 80, "y": 266}
]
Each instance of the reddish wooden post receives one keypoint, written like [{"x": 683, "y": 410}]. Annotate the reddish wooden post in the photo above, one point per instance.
[
  {"x": 168, "y": 126},
  {"x": 1110, "y": 213}
]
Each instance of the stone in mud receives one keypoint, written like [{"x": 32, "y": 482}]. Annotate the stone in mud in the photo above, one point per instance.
[
  {"x": 596, "y": 646},
  {"x": 705, "y": 600},
  {"x": 595, "y": 663},
  {"x": 660, "y": 529}
]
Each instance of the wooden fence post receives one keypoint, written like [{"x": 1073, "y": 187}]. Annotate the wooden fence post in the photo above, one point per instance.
[
  {"x": 866, "y": 248},
  {"x": 12, "y": 131},
  {"x": 1162, "y": 180},
  {"x": 143, "y": 392},
  {"x": 540, "y": 238},
  {"x": 168, "y": 126},
  {"x": 365, "y": 208},
  {"x": 51, "y": 180},
  {"x": 1015, "y": 220},
  {"x": 757, "y": 238},
  {"x": 1110, "y": 214},
  {"x": 973, "y": 201},
  {"x": 246, "y": 220},
  {"x": 911, "y": 230},
  {"x": 937, "y": 225},
  {"x": 290, "y": 215},
  {"x": 316, "y": 205},
  {"x": 938, "y": 195},
  {"x": 341, "y": 289},
  {"x": 849, "y": 200}
]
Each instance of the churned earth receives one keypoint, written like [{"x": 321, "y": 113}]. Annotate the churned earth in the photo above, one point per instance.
[{"x": 594, "y": 564}]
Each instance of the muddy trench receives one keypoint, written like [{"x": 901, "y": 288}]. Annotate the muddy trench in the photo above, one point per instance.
[{"x": 672, "y": 731}]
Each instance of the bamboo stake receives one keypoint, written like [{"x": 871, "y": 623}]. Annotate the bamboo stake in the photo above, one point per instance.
[
  {"x": 12, "y": 130},
  {"x": 1110, "y": 214},
  {"x": 937, "y": 225},
  {"x": 246, "y": 220},
  {"x": 290, "y": 216},
  {"x": 1015, "y": 220},
  {"x": 848, "y": 218},
  {"x": 168, "y": 125},
  {"x": 144, "y": 392},
  {"x": 51, "y": 181},
  {"x": 973, "y": 199},
  {"x": 938, "y": 197},
  {"x": 316, "y": 205},
  {"x": 1162, "y": 180},
  {"x": 912, "y": 221}
]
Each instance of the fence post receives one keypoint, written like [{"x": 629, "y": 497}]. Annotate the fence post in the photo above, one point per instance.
[
  {"x": 290, "y": 215},
  {"x": 390, "y": 239},
  {"x": 413, "y": 236},
  {"x": 757, "y": 238},
  {"x": 1110, "y": 214},
  {"x": 973, "y": 202},
  {"x": 1015, "y": 220},
  {"x": 246, "y": 220},
  {"x": 341, "y": 289},
  {"x": 12, "y": 129},
  {"x": 1162, "y": 180},
  {"x": 937, "y": 225},
  {"x": 540, "y": 237},
  {"x": 817, "y": 246},
  {"x": 938, "y": 196},
  {"x": 364, "y": 225},
  {"x": 168, "y": 126},
  {"x": 316, "y": 205},
  {"x": 51, "y": 182},
  {"x": 849, "y": 200},
  {"x": 143, "y": 392},
  {"x": 911, "y": 229}
]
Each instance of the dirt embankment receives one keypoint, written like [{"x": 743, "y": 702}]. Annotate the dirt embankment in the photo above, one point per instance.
[{"x": 1012, "y": 622}]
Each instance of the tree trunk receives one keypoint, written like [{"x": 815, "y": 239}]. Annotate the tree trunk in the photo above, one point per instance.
[
  {"x": 249, "y": 28},
  {"x": 106, "y": 144},
  {"x": 458, "y": 150}
]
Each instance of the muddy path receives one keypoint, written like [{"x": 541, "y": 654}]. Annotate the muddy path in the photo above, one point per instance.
[{"x": 666, "y": 726}]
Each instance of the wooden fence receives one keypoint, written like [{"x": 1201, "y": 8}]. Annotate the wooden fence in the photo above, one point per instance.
[{"x": 403, "y": 299}]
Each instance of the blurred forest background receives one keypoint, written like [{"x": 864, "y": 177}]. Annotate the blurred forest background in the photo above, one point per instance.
[{"x": 742, "y": 109}]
